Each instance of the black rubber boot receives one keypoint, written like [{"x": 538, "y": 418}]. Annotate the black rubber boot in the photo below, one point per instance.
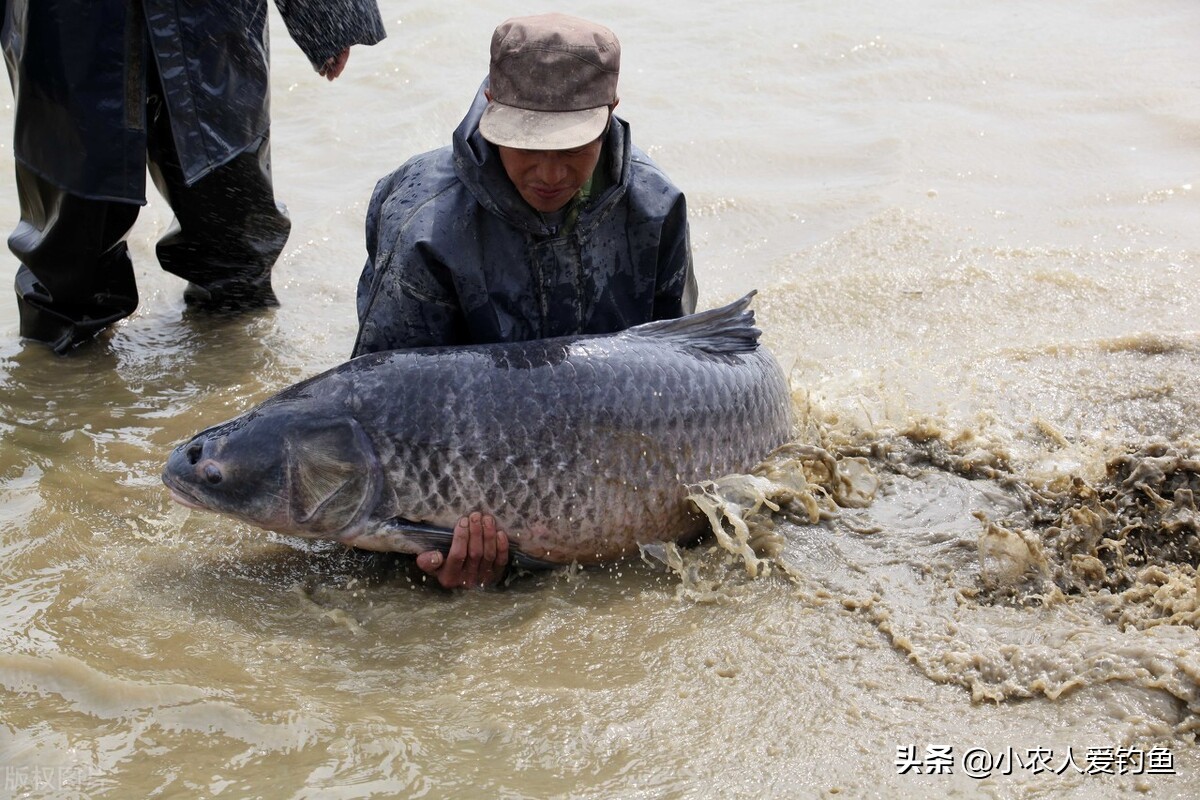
[
  {"x": 230, "y": 296},
  {"x": 61, "y": 330}
]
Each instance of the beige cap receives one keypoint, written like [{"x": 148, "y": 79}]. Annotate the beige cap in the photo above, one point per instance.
[{"x": 553, "y": 79}]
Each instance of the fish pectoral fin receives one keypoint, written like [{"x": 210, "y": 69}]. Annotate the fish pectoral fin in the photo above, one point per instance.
[
  {"x": 435, "y": 537},
  {"x": 528, "y": 562},
  {"x": 426, "y": 537}
]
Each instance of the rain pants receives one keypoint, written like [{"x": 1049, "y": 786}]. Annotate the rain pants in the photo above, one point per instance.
[{"x": 105, "y": 88}]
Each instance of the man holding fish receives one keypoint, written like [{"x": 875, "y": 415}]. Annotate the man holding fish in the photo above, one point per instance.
[{"x": 541, "y": 219}]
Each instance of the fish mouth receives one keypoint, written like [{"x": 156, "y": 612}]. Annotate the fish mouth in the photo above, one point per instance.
[
  {"x": 184, "y": 500},
  {"x": 180, "y": 495}
]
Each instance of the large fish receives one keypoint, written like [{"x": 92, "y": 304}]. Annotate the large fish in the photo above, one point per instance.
[{"x": 583, "y": 447}]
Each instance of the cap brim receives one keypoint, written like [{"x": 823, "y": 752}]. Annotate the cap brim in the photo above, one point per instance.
[{"x": 509, "y": 126}]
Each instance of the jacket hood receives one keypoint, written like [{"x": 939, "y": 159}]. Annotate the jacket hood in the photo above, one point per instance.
[{"x": 477, "y": 164}]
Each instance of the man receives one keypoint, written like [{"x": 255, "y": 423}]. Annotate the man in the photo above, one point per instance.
[
  {"x": 105, "y": 88},
  {"x": 541, "y": 219}
]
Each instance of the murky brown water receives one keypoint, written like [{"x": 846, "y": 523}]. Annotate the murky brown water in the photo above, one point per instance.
[{"x": 973, "y": 229}]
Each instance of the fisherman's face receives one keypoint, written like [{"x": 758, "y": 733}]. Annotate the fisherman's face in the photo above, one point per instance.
[{"x": 548, "y": 179}]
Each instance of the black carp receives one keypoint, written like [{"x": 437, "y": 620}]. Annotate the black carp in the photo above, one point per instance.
[{"x": 582, "y": 447}]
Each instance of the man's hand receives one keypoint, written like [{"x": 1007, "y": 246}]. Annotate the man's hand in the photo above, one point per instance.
[
  {"x": 334, "y": 66},
  {"x": 478, "y": 555}
]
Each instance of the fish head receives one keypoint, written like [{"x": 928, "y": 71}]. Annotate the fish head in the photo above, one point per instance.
[{"x": 304, "y": 475}]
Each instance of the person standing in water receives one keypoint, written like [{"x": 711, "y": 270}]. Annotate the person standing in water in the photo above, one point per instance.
[
  {"x": 105, "y": 88},
  {"x": 540, "y": 219}
]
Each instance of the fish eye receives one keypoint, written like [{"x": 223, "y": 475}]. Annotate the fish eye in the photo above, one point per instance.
[{"x": 212, "y": 474}]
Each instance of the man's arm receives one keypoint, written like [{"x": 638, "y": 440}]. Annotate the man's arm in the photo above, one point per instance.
[
  {"x": 326, "y": 29},
  {"x": 395, "y": 317},
  {"x": 406, "y": 296},
  {"x": 675, "y": 295}
]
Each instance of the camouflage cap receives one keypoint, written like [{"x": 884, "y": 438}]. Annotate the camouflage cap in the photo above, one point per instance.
[{"x": 552, "y": 79}]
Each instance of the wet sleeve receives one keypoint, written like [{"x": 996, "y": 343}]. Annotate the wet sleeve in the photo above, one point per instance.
[
  {"x": 396, "y": 319},
  {"x": 675, "y": 294},
  {"x": 324, "y": 28},
  {"x": 405, "y": 294}
]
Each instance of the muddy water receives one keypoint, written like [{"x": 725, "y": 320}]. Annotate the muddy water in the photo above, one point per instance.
[{"x": 973, "y": 230}]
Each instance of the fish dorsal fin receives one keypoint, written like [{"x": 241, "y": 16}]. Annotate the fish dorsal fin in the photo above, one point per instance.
[{"x": 726, "y": 330}]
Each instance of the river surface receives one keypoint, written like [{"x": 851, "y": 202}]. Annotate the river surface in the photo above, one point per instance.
[{"x": 974, "y": 228}]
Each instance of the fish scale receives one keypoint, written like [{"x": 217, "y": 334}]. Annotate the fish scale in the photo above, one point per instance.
[{"x": 582, "y": 447}]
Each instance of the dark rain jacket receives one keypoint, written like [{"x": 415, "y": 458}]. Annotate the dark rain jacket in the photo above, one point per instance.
[
  {"x": 76, "y": 68},
  {"x": 455, "y": 256}
]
